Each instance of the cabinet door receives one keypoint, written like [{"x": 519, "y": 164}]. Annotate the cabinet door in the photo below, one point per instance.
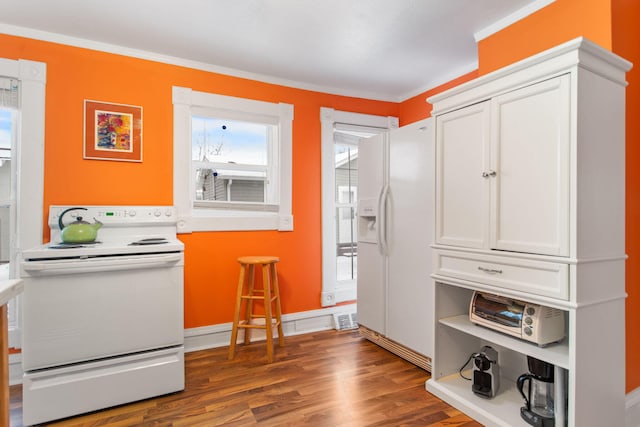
[
  {"x": 530, "y": 153},
  {"x": 462, "y": 194}
]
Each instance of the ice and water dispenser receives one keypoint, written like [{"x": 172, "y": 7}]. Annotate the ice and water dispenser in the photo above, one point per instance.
[{"x": 367, "y": 221}]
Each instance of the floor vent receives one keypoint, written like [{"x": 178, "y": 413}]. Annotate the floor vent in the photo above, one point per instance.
[{"x": 344, "y": 321}]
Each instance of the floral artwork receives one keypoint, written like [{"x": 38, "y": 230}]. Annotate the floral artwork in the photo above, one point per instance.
[{"x": 112, "y": 131}]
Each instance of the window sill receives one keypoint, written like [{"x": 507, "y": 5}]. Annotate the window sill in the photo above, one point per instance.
[{"x": 233, "y": 220}]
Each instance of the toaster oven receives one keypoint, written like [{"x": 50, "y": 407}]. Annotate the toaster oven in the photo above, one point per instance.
[{"x": 531, "y": 322}]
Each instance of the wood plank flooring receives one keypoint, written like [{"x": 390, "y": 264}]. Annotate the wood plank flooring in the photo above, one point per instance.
[{"x": 320, "y": 379}]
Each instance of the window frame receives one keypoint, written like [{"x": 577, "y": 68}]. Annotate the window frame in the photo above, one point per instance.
[
  {"x": 28, "y": 170},
  {"x": 233, "y": 216}
]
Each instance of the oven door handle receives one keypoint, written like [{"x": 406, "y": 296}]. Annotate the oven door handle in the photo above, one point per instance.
[{"x": 95, "y": 265}]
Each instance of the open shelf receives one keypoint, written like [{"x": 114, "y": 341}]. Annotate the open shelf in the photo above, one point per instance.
[
  {"x": 556, "y": 354},
  {"x": 501, "y": 410}
]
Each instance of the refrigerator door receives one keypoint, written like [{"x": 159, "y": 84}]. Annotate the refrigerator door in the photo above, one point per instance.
[
  {"x": 410, "y": 233},
  {"x": 371, "y": 269},
  {"x": 371, "y": 181},
  {"x": 371, "y": 289}
]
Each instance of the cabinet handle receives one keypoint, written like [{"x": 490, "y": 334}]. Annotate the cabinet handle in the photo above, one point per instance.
[
  {"x": 489, "y": 174},
  {"x": 490, "y": 270}
]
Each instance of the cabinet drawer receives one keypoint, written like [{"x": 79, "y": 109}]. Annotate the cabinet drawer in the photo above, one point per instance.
[{"x": 536, "y": 277}]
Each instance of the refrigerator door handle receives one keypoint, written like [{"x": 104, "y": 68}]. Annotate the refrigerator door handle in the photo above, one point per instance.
[
  {"x": 382, "y": 220},
  {"x": 379, "y": 221}
]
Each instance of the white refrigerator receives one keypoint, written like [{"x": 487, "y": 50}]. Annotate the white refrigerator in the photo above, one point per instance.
[{"x": 395, "y": 231}]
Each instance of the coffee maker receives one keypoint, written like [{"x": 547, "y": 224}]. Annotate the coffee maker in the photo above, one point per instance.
[
  {"x": 539, "y": 409},
  {"x": 486, "y": 373}
]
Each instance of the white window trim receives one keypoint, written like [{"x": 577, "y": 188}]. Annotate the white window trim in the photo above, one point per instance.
[
  {"x": 28, "y": 158},
  {"x": 332, "y": 292},
  {"x": 187, "y": 101}
]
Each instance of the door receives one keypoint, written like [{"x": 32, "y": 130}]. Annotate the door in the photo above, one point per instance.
[
  {"x": 371, "y": 261},
  {"x": 530, "y": 153},
  {"x": 462, "y": 168},
  {"x": 410, "y": 224}
]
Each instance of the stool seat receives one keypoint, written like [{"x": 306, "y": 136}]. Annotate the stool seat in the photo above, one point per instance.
[
  {"x": 258, "y": 259},
  {"x": 247, "y": 293}
]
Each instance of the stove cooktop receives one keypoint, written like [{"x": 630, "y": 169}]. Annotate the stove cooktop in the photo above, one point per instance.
[
  {"x": 102, "y": 249},
  {"x": 126, "y": 230}
]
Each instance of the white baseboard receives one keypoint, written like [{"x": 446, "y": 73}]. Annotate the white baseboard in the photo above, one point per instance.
[
  {"x": 632, "y": 408},
  {"x": 292, "y": 324},
  {"x": 219, "y": 335}
]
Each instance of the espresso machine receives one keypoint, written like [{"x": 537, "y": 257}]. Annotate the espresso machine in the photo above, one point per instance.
[{"x": 539, "y": 409}]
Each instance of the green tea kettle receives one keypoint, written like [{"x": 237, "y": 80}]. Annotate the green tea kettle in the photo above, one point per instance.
[{"x": 78, "y": 231}]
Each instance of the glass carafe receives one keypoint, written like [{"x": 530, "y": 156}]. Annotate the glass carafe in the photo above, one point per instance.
[{"x": 538, "y": 396}]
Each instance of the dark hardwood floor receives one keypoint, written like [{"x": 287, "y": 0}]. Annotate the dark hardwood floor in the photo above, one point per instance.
[{"x": 320, "y": 379}]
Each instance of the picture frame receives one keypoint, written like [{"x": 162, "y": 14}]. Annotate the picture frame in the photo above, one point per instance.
[{"x": 112, "y": 131}]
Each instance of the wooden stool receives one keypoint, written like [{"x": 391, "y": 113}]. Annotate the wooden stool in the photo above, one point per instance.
[{"x": 269, "y": 293}]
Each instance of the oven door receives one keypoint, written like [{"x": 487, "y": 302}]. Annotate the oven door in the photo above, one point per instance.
[{"x": 87, "y": 309}]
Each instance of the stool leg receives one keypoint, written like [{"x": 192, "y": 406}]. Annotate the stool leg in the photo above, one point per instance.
[
  {"x": 249, "y": 313},
  {"x": 276, "y": 291},
  {"x": 236, "y": 315},
  {"x": 266, "y": 280}
]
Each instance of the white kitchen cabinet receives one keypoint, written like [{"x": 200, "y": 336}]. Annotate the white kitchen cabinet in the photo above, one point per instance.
[
  {"x": 530, "y": 176},
  {"x": 503, "y": 167},
  {"x": 462, "y": 195}
]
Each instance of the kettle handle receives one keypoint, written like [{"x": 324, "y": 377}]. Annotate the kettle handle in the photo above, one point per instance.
[
  {"x": 520, "y": 383},
  {"x": 60, "y": 224}
]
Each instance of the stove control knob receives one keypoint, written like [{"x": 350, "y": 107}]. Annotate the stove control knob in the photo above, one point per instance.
[
  {"x": 168, "y": 212},
  {"x": 157, "y": 213},
  {"x": 131, "y": 213}
]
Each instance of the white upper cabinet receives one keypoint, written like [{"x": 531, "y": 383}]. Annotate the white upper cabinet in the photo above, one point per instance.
[
  {"x": 503, "y": 171},
  {"x": 462, "y": 195},
  {"x": 530, "y": 156}
]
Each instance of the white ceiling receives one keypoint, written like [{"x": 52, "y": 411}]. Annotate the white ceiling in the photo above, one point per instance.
[{"x": 379, "y": 49}]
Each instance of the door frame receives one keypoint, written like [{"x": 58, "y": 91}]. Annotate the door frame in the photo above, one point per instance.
[{"x": 333, "y": 292}]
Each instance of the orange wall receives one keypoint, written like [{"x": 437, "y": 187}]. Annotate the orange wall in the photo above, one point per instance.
[
  {"x": 75, "y": 74},
  {"x": 612, "y": 24},
  {"x": 626, "y": 43},
  {"x": 559, "y": 22},
  {"x": 414, "y": 109}
]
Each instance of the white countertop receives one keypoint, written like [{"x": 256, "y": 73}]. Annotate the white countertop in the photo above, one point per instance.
[{"x": 9, "y": 289}]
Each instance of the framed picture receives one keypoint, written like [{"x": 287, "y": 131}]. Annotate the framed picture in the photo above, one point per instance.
[{"x": 112, "y": 131}]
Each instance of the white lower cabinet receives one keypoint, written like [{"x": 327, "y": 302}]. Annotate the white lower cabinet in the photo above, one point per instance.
[
  {"x": 530, "y": 179},
  {"x": 457, "y": 338}
]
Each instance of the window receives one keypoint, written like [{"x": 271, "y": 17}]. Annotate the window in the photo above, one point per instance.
[
  {"x": 341, "y": 133},
  {"x": 8, "y": 120},
  {"x": 232, "y": 163}
]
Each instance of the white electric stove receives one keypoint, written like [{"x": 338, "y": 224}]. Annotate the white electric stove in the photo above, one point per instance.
[{"x": 103, "y": 322}]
